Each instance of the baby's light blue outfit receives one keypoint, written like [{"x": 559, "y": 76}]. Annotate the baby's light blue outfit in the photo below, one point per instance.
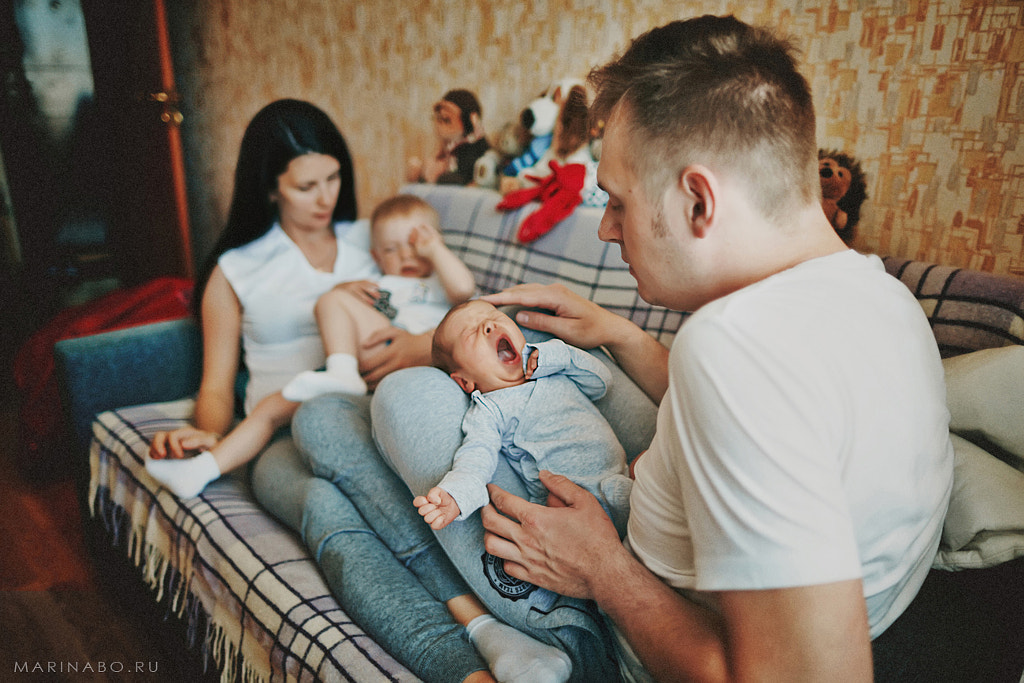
[
  {"x": 417, "y": 416},
  {"x": 546, "y": 423}
]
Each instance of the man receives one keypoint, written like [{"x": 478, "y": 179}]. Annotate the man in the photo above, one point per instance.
[{"x": 791, "y": 502}]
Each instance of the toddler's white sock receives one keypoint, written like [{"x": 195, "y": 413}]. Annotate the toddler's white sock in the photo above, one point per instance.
[
  {"x": 340, "y": 376},
  {"x": 515, "y": 657},
  {"x": 186, "y": 478}
]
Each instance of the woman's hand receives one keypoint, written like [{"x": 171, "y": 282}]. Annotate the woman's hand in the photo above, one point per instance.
[
  {"x": 575, "y": 320},
  {"x": 175, "y": 444},
  {"x": 391, "y": 349},
  {"x": 433, "y": 168},
  {"x": 364, "y": 290}
]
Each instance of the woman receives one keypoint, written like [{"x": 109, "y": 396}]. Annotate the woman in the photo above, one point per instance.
[{"x": 290, "y": 238}]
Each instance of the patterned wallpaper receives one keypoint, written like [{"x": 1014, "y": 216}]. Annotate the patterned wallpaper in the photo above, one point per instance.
[{"x": 927, "y": 94}]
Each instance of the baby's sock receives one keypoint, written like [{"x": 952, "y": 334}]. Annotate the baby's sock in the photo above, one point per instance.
[
  {"x": 515, "y": 657},
  {"x": 340, "y": 376},
  {"x": 185, "y": 478}
]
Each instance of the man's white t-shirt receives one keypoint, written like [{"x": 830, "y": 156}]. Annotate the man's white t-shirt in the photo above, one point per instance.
[{"x": 803, "y": 440}]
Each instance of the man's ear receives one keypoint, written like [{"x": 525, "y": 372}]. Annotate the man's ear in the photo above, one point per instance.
[
  {"x": 700, "y": 189},
  {"x": 466, "y": 384}
]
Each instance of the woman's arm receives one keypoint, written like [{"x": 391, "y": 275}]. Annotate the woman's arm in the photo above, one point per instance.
[
  {"x": 584, "y": 324},
  {"x": 222, "y": 334},
  {"x": 221, "y": 321}
]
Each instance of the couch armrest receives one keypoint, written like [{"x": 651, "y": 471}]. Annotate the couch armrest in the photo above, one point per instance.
[{"x": 143, "y": 364}]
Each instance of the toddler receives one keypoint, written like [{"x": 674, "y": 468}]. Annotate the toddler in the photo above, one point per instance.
[
  {"x": 531, "y": 404},
  {"x": 422, "y": 279}
]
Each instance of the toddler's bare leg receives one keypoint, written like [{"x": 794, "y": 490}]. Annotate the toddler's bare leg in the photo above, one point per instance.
[{"x": 345, "y": 323}]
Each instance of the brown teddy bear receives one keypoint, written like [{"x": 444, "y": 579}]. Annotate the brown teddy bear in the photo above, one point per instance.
[{"x": 843, "y": 190}]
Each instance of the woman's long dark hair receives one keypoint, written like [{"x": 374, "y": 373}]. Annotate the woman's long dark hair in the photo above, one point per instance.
[{"x": 280, "y": 132}]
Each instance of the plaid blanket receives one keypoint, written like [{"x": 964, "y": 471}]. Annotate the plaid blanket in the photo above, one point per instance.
[
  {"x": 968, "y": 310},
  {"x": 225, "y": 565}
]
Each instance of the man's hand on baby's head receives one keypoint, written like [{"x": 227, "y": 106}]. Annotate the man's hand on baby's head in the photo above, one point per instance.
[{"x": 437, "y": 508}]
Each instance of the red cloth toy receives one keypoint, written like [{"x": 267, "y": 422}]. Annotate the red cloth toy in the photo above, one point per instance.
[{"x": 558, "y": 194}]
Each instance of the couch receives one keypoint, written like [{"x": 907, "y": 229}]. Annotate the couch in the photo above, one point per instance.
[{"x": 246, "y": 590}]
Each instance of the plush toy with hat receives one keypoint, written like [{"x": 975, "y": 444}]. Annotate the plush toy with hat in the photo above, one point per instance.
[
  {"x": 843, "y": 190},
  {"x": 459, "y": 127}
]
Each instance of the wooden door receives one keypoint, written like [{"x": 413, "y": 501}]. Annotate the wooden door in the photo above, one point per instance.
[{"x": 142, "y": 177}]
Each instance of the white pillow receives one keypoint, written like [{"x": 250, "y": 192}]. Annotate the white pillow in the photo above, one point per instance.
[
  {"x": 985, "y": 522},
  {"x": 985, "y": 396}
]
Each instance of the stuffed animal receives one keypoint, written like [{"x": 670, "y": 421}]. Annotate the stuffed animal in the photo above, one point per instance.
[
  {"x": 509, "y": 143},
  {"x": 564, "y": 177},
  {"x": 538, "y": 122},
  {"x": 570, "y": 140},
  {"x": 460, "y": 142},
  {"x": 843, "y": 190}
]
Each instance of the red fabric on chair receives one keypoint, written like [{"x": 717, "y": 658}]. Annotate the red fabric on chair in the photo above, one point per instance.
[
  {"x": 558, "y": 194},
  {"x": 40, "y": 417}
]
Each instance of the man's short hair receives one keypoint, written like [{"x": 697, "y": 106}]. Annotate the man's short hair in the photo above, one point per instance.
[
  {"x": 715, "y": 91},
  {"x": 403, "y": 205}
]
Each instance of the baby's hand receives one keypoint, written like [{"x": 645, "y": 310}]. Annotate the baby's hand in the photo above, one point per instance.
[
  {"x": 437, "y": 508},
  {"x": 426, "y": 241},
  {"x": 531, "y": 363},
  {"x": 364, "y": 290}
]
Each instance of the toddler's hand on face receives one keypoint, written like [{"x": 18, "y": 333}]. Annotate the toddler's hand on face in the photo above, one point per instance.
[
  {"x": 437, "y": 508},
  {"x": 425, "y": 240}
]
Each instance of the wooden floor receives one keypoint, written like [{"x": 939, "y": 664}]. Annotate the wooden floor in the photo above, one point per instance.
[{"x": 61, "y": 617}]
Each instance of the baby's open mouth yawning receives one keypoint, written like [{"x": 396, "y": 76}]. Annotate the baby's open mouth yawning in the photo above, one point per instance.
[{"x": 507, "y": 354}]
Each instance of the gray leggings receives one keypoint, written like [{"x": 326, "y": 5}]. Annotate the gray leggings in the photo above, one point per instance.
[
  {"x": 373, "y": 576},
  {"x": 382, "y": 561}
]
